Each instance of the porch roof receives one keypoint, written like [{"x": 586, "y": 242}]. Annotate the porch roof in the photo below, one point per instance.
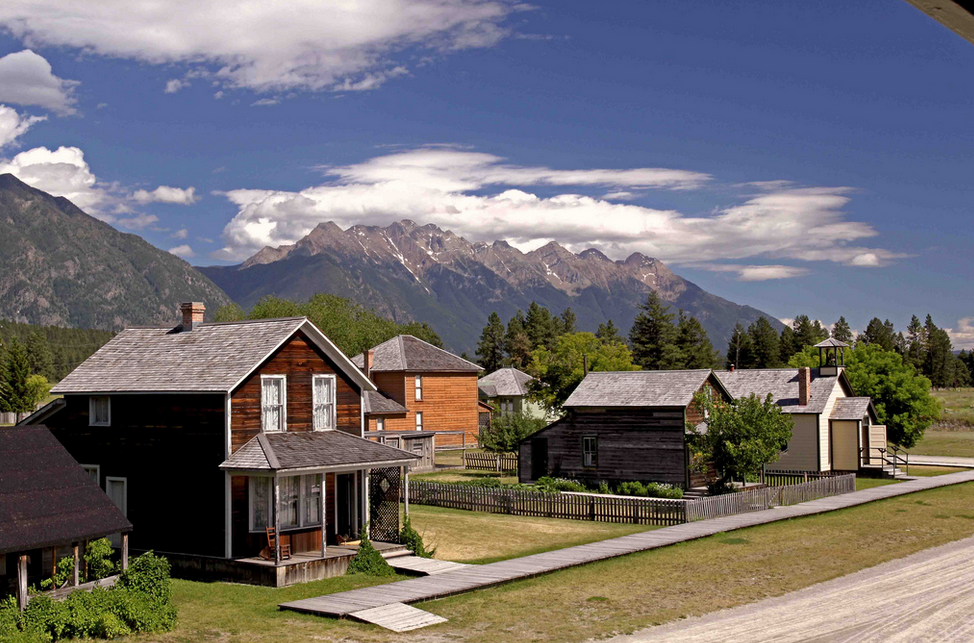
[
  {"x": 378, "y": 404},
  {"x": 852, "y": 408},
  {"x": 303, "y": 450}
]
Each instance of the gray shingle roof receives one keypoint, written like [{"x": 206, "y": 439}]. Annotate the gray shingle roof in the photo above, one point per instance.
[
  {"x": 638, "y": 388},
  {"x": 312, "y": 450},
  {"x": 408, "y": 353},
  {"x": 850, "y": 408},
  {"x": 505, "y": 382},
  {"x": 782, "y": 383},
  {"x": 47, "y": 498},
  {"x": 831, "y": 342},
  {"x": 378, "y": 404},
  {"x": 210, "y": 358}
]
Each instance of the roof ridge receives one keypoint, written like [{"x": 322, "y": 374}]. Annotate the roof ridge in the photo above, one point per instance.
[{"x": 268, "y": 450}]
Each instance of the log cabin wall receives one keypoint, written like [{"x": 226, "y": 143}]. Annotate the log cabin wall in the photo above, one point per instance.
[
  {"x": 449, "y": 404},
  {"x": 298, "y": 359},
  {"x": 169, "y": 448},
  {"x": 694, "y": 412},
  {"x": 647, "y": 445}
]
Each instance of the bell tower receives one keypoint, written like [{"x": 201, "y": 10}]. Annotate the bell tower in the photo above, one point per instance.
[{"x": 831, "y": 357}]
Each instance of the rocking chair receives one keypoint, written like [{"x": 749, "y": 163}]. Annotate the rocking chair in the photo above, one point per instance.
[{"x": 268, "y": 552}]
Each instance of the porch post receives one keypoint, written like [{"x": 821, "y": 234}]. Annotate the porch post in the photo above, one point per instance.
[
  {"x": 365, "y": 500},
  {"x": 277, "y": 522},
  {"x": 405, "y": 495},
  {"x": 75, "y": 578},
  {"x": 324, "y": 517},
  {"x": 125, "y": 551},
  {"x": 22, "y": 582}
]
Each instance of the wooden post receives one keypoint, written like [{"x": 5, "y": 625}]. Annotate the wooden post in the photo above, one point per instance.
[
  {"x": 84, "y": 550},
  {"x": 53, "y": 566},
  {"x": 405, "y": 483},
  {"x": 365, "y": 501},
  {"x": 22, "y": 582},
  {"x": 324, "y": 520},
  {"x": 125, "y": 551},
  {"x": 277, "y": 522},
  {"x": 75, "y": 579}
]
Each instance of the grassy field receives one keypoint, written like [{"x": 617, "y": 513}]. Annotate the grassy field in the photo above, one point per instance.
[
  {"x": 601, "y": 598},
  {"x": 958, "y": 409},
  {"x": 461, "y": 475},
  {"x": 959, "y": 444},
  {"x": 453, "y": 457}
]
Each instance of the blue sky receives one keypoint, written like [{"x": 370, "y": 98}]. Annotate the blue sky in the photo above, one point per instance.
[{"x": 799, "y": 157}]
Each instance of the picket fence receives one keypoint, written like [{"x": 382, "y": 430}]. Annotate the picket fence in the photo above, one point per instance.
[
  {"x": 621, "y": 509},
  {"x": 490, "y": 461}
]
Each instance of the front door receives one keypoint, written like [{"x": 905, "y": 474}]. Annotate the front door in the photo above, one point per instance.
[
  {"x": 845, "y": 445},
  {"x": 345, "y": 505},
  {"x": 539, "y": 458}
]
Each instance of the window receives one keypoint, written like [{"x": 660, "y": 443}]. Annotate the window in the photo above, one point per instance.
[
  {"x": 273, "y": 403},
  {"x": 117, "y": 490},
  {"x": 300, "y": 502},
  {"x": 380, "y": 424},
  {"x": 507, "y": 407},
  {"x": 590, "y": 452},
  {"x": 323, "y": 394},
  {"x": 419, "y": 420},
  {"x": 99, "y": 411},
  {"x": 417, "y": 447},
  {"x": 419, "y": 388},
  {"x": 94, "y": 471}
]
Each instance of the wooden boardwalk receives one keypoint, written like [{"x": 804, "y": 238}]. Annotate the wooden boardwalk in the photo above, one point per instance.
[
  {"x": 425, "y": 566},
  {"x": 476, "y": 576}
]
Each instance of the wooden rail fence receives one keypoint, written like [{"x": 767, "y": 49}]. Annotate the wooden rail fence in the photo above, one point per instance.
[
  {"x": 490, "y": 461},
  {"x": 621, "y": 509},
  {"x": 779, "y": 478}
]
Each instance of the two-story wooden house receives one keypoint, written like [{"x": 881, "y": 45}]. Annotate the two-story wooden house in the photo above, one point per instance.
[
  {"x": 208, "y": 434},
  {"x": 433, "y": 390},
  {"x": 622, "y": 426}
]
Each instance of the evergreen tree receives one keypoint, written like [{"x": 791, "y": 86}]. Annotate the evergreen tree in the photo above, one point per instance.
[
  {"x": 653, "y": 336},
  {"x": 841, "y": 331},
  {"x": 695, "y": 348},
  {"x": 805, "y": 331},
  {"x": 541, "y": 327},
  {"x": 517, "y": 345},
  {"x": 939, "y": 363},
  {"x": 39, "y": 355},
  {"x": 608, "y": 333},
  {"x": 740, "y": 350},
  {"x": 787, "y": 344},
  {"x": 490, "y": 348},
  {"x": 18, "y": 394},
  {"x": 821, "y": 332},
  {"x": 765, "y": 343},
  {"x": 879, "y": 334},
  {"x": 568, "y": 322}
]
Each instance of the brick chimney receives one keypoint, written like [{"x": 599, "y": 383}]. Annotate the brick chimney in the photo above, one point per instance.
[
  {"x": 192, "y": 314},
  {"x": 367, "y": 358},
  {"x": 804, "y": 385}
]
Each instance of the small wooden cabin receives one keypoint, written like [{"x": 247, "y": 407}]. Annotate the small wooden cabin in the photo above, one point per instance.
[{"x": 622, "y": 426}]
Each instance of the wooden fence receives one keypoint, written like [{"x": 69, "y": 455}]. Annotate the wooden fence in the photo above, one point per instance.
[
  {"x": 490, "y": 461},
  {"x": 768, "y": 497},
  {"x": 572, "y": 506},
  {"x": 778, "y": 478},
  {"x": 621, "y": 509}
]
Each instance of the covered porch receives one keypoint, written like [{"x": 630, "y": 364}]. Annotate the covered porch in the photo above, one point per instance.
[{"x": 298, "y": 501}]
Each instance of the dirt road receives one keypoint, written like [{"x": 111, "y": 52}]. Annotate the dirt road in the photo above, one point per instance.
[{"x": 928, "y": 596}]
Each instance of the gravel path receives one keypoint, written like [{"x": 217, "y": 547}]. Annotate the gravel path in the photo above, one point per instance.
[
  {"x": 944, "y": 460},
  {"x": 928, "y": 596}
]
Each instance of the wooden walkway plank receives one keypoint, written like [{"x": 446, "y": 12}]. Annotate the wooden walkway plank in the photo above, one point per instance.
[{"x": 397, "y": 617}]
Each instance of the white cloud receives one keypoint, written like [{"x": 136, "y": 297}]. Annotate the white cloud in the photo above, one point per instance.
[
  {"x": 26, "y": 79},
  {"x": 182, "y": 233},
  {"x": 756, "y": 272},
  {"x": 173, "y": 85},
  {"x": 272, "y": 45},
  {"x": 138, "y": 222},
  {"x": 166, "y": 194},
  {"x": 13, "y": 125},
  {"x": 183, "y": 251},
  {"x": 479, "y": 196},
  {"x": 962, "y": 335},
  {"x": 62, "y": 172},
  {"x": 265, "y": 102}
]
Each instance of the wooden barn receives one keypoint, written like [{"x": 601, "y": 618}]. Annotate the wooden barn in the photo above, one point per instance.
[
  {"x": 622, "y": 426},
  {"x": 434, "y": 391},
  {"x": 212, "y": 434},
  {"x": 50, "y": 507}
]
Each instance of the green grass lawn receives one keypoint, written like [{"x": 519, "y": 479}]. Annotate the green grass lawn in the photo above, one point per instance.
[
  {"x": 462, "y": 475},
  {"x": 927, "y": 472},
  {"x": 598, "y": 599},
  {"x": 958, "y": 408},
  {"x": 959, "y": 444},
  {"x": 453, "y": 457}
]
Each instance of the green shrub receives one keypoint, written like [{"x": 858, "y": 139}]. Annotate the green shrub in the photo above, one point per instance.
[
  {"x": 64, "y": 571},
  {"x": 413, "y": 541},
  {"x": 148, "y": 575},
  {"x": 367, "y": 560},
  {"x": 139, "y": 613},
  {"x": 554, "y": 485},
  {"x": 506, "y": 430},
  {"x": 649, "y": 490},
  {"x": 83, "y": 610},
  {"x": 603, "y": 488},
  {"x": 98, "y": 556},
  {"x": 46, "y": 616},
  {"x": 110, "y": 626}
]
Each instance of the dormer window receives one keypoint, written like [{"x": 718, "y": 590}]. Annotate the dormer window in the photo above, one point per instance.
[
  {"x": 273, "y": 403},
  {"x": 323, "y": 392},
  {"x": 99, "y": 410}
]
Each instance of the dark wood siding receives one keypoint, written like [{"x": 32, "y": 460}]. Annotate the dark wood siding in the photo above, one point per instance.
[
  {"x": 298, "y": 359},
  {"x": 633, "y": 444},
  {"x": 169, "y": 448}
]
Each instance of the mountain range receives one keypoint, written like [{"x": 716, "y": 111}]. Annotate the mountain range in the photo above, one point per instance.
[
  {"x": 61, "y": 267},
  {"x": 411, "y": 272}
]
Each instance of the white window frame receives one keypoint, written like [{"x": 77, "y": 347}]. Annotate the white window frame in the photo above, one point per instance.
[
  {"x": 380, "y": 423},
  {"x": 303, "y": 522},
  {"x": 418, "y": 383},
  {"x": 125, "y": 498},
  {"x": 96, "y": 468},
  {"x": 91, "y": 410},
  {"x": 251, "y": 496},
  {"x": 419, "y": 420},
  {"x": 283, "y": 380},
  {"x": 590, "y": 458},
  {"x": 315, "y": 402}
]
